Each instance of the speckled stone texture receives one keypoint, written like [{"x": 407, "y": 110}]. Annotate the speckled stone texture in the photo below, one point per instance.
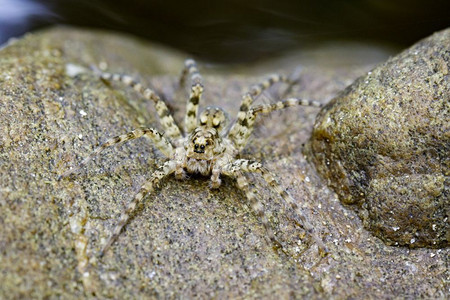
[
  {"x": 185, "y": 240},
  {"x": 384, "y": 146}
]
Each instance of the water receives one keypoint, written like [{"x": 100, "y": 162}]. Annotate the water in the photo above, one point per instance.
[
  {"x": 19, "y": 16},
  {"x": 232, "y": 31}
]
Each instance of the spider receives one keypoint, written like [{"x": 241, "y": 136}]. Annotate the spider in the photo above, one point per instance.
[{"x": 208, "y": 147}]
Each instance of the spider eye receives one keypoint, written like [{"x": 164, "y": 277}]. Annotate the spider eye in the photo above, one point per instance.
[
  {"x": 202, "y": 147},
  {"x": 196, "y": 146}
]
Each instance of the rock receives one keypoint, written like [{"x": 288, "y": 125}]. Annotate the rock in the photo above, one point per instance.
[
  {"x": 186, "y": 240},
  {"x": 383, "y": 145}
]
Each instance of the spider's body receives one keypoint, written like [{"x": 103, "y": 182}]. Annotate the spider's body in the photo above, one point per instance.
[{"x": 208, "y": 147}]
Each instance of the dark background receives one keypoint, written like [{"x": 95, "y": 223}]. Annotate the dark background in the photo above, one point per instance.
[{"x": 241, "y": 30}]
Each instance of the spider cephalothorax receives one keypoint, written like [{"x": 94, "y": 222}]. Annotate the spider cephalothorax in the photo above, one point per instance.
[
  {"x": 203, "y": 148},
  {"x": 207, "y": 147},
  {"x": 204, "y": 143}
]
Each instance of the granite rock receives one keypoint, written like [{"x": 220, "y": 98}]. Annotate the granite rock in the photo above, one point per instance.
[
  {"x": 185, "y": 241},
  {"x": 383, "y": 144}
]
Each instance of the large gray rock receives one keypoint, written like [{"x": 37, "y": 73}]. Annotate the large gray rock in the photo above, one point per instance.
[
  {"x": 185, "y": 240},
  {"x": 384, "y": 146}
]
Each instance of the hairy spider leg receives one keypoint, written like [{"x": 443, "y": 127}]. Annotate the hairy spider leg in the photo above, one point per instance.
[
  {"x": 190, "y": 120},
  {"x": 162, "y": 172},
  {"x": 241, "y": 138},
  {"x": 165, "y": 117},
  {"x": 205, "y": 150},
  {"x": 247, "y": 101},
  {"x": 234, "y": 171},
  {"x": 256, "y": 167},
  {"x": 157, "y": 138}
]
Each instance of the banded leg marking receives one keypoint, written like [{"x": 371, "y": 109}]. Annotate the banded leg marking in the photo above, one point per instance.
[
  {"x": 247, "y": 101},
  {"x": 148, "y": 187},
  {"x": 255, "y": 167},
  {"x": 162, "y": 110},
  {"x": 190, "y": 120},
  {"x": 257, "y": 89},
  {"x": 247, "y": 125},
  {"x": 158, "y": 139},
  {"x": 255, "y": 204}
]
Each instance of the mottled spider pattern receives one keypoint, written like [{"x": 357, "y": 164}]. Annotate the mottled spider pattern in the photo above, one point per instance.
[{"x": 208, "y": 146}]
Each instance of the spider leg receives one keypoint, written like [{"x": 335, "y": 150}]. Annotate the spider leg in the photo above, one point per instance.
[
  {"x": 158, "y": 139},
  {"x": 190, "y": 67},
  {"x": 162, "y": 110},
  {"x": 243, "y": 132},
  {"x": 247, "y": 101},
  {"x": 256, "y": 205},
  {"x": 245, "y": 165},
  {"x": 148, "y": 187}
]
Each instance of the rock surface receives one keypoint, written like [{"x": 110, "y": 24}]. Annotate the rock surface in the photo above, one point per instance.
[
  {"x": 384, "y": 146},
  {"x": 186, "y": 240}
]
